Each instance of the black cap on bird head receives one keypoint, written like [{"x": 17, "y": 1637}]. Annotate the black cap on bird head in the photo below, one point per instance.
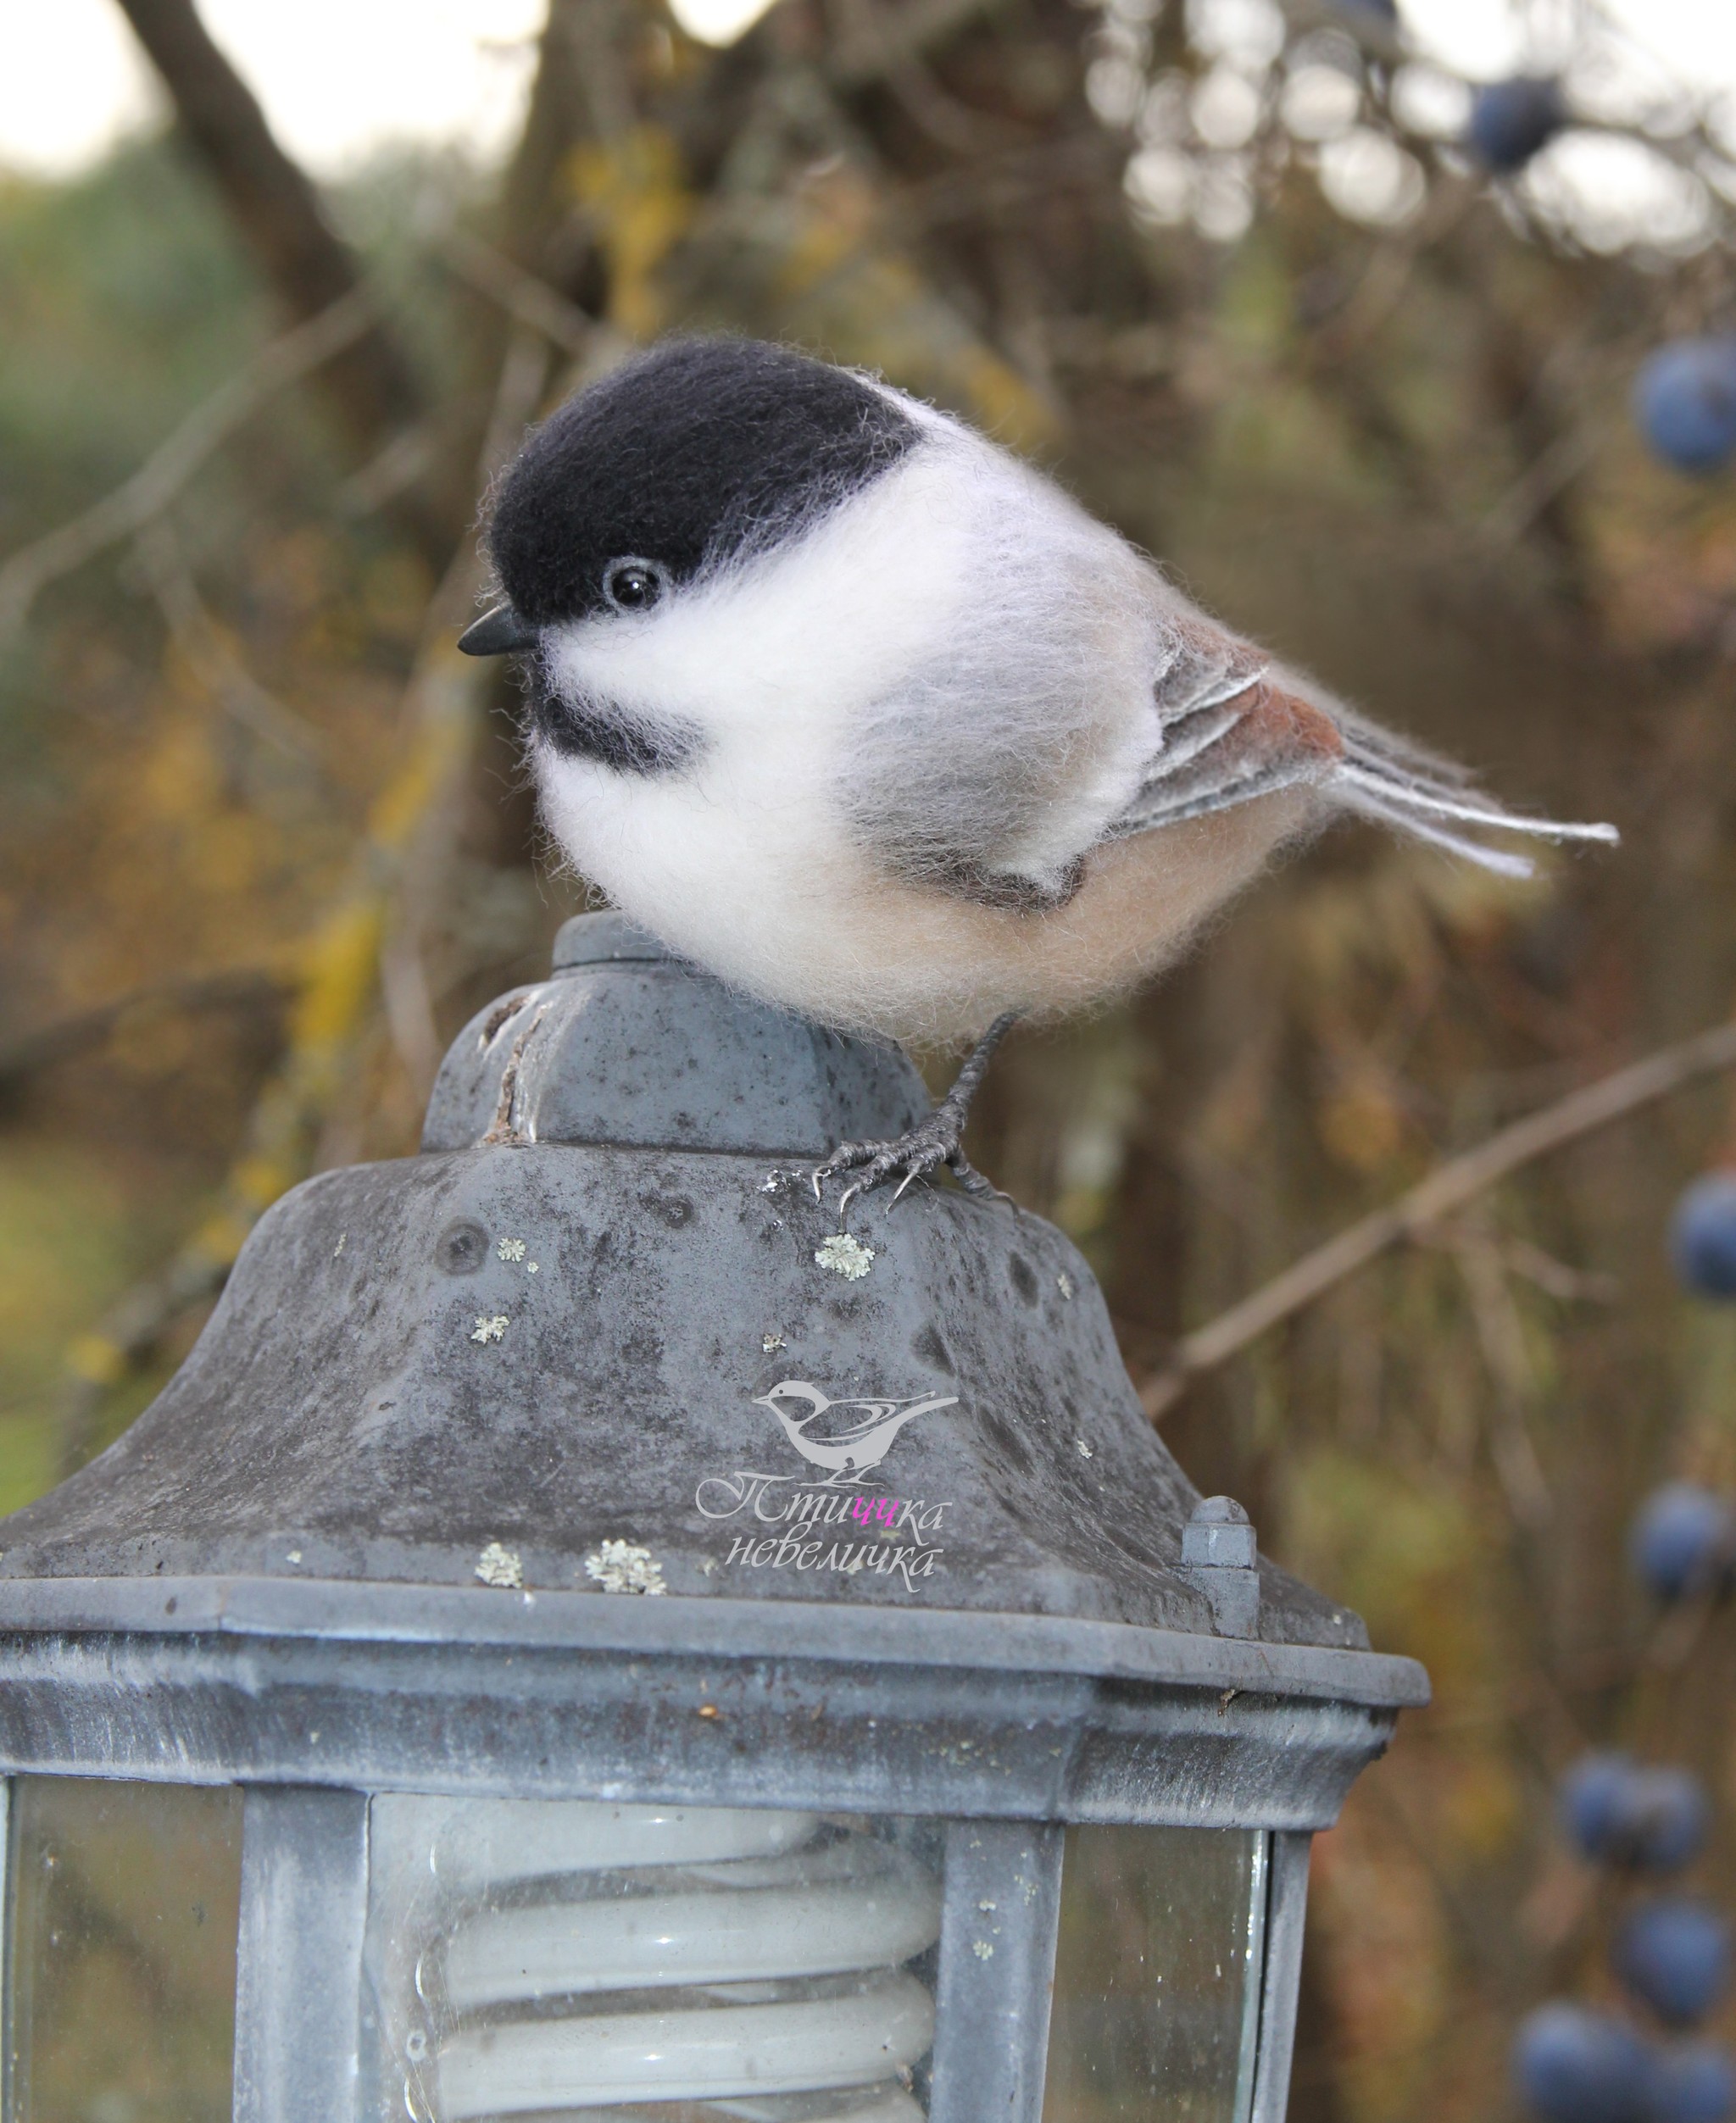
[{"x": 693, "y": 453}]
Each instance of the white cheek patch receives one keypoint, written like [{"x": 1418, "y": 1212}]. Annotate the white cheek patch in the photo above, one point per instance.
[{"x": 807, "y": 633}]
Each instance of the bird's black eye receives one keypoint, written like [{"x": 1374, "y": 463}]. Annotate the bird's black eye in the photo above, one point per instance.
[{"x": 634, "y": 586}]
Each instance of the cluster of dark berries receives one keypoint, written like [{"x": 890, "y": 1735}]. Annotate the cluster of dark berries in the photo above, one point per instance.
[
  {"x": 1670, "y": 1952},
  {"x": 1683, "y": 1542},
  {"x": 1577, "y": 2064},
  {"x": 1684, "y": 397}
]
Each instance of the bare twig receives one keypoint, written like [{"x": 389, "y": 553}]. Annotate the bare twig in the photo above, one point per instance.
[
  {"x": 1451, "y": 1187},
  {"x": 276, "y": 209},
  {"x": 212, "y": 656},
  {"x": 367, "y": 940},
  {"x": 1549, "y": 474},
  {"x": 524, "y": 297},
  {"x": 406, "y": 991},
  {"x": 336, "y": 986},
  {"x": 1500, "y": 1334},
  {"x": 125, "y": 511},
  {"x": 140, "y": 500},
  {"x": 861, "y": 26},
  {"x": 245, "y": 990},
  {"x": 873, "y": 53}
]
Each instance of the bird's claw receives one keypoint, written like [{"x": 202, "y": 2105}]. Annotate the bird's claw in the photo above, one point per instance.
[{"x": 912, "y": 1157}]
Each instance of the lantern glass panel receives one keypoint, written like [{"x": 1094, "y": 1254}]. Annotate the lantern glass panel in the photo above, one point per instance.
[
  {"x": 1157, "y": 1975},
  {"x": 525, "y": 1957},
  {"x": 120, "y": 1957}
]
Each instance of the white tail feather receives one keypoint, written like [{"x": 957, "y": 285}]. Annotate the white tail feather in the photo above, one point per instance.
[
  {"x": 1390, "y": 814},
  {"x": 1407, "y": 793}
]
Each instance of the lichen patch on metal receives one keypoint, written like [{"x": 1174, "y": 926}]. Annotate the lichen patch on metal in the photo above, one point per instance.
[
  {"x": 501, "y": 1567},
  {"x": 772, "y": 1343},
  {"x": 490, "y": 1327},
  {"x": 510, "y": 1249},
  {"x": 620, "y": 1566},
  {"x": 845, "y": 1255}
]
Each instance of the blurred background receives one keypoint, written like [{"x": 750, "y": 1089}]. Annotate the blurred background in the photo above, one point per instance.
[{"x": 1341, "y": 311}]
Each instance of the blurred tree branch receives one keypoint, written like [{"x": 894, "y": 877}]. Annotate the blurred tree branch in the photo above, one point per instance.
[
  {"x": 367, "y": 948},
  {"x": 1450, "y": 1187},
  {"x": 372, "y": 388},
  {"x": 247, "y": 990},
  {"x": 527, "y": 299},
  {"x": 163, "y": 476},
  {"x": 132, "y": 507}
]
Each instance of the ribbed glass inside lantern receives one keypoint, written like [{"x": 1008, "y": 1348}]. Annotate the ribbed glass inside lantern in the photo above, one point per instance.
[
  {"x": 531, "y": 1958},
  {"x": 119, "y": 1950}
]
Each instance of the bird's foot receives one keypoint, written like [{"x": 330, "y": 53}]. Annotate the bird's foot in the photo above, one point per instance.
[{"x": 929, "y": 1145}]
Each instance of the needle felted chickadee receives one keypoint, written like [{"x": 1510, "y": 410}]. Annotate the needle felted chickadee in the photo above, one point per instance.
[{"x": 863, "y": 715}]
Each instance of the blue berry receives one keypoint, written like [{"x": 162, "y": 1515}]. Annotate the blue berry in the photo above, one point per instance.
[
  {"x": 1575, "y": 2066},
  {"x": 1675, "y": 1957},
  {"x": 1512, "y": 120},
  {"x": 1664, "y": 1820},
  {"x": 1703, "y": 1232},
  {"x": 1594, "y": 1801},
  {"x": 1695, "y": 2083},
  {"x": 1653, "y": 1819},
  {"x": 1683, "y": 1540}
]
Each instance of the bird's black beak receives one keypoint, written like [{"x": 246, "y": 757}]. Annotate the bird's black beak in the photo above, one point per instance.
[{"x": 500, "y": 632}]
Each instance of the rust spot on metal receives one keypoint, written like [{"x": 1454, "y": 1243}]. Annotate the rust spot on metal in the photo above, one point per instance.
[
  {"x": 502, "y": 1014},
  {"x": 502, "y": 1130}
]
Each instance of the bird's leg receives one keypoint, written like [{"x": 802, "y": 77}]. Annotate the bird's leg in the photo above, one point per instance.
[{"x": 931, "y": 1142}]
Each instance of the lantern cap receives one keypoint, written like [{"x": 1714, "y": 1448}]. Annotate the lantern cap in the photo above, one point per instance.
[{"x": 588, "y": 1368}]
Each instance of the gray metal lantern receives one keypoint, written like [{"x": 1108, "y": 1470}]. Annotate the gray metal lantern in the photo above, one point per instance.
[{"x": 580, "y": 1636}]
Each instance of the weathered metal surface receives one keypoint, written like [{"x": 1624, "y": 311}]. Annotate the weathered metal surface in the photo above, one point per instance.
[
  {"x": 1286, "y": 1911},
  {"x": 360, "y": 1613},
  {"x": 402, "y": 1519},
  {"x": 997, "y": 1963},
  {"x": 726, "y": 1729},
  {"x": 298, "y": 1992},
  {"x": 508, "y": 1357},
  {"x": 1220, "y": 1556},
  {"x": 658, "y": 1055}
]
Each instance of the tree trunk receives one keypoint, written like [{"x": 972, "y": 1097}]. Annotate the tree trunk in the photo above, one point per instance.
[{"x": 370, "y": 386}]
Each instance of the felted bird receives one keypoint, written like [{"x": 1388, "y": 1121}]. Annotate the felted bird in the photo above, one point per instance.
[{"x": 863, "y": 715}]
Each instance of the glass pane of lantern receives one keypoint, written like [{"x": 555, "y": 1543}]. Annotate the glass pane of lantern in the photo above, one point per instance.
[
  {"x": 1157, "y": 1977},
  {"x": 120, "y": 1951},
  {"x": 538, "y": 1958}
]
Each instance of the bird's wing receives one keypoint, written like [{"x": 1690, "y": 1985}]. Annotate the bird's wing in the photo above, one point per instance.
[
  {"x": 875, "y": 1412},
  {"x": 1233, "y": 729}
]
